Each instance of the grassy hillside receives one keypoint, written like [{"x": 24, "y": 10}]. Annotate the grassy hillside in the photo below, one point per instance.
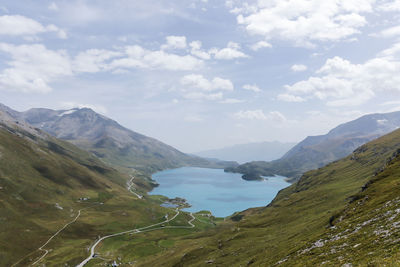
[
  {"x": 346, "y": 212},
  {"x": 44, "y": 182}
]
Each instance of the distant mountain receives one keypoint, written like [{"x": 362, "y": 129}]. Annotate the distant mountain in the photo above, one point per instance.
[
  {"x": 108, "y": 140},
  {"x": 241, "y": 153},
  {"x": 317, "y": 151}
]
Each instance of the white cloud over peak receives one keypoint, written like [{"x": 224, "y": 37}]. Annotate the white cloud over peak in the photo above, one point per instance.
[
  {"x": 304, "y": 21},
  {"x": 16, "y": 25}
]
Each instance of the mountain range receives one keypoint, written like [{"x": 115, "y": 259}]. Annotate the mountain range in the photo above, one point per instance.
[
  {"x": 317, "y": 151},
  {"x": 108, "y": 140},
  {"x": 242, "y": 153}
]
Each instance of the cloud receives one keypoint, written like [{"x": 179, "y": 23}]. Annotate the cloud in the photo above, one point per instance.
[
  {"x": 53, "y": 6},
  {"x": 231, "y": 101},
  {"x": 391, "y": 6},
  {"x": 197, "y": 51},
  {"x": 390, "y": 32},
  {"x": 33, "y": 67},
  {"x": 290, "y": 98},
  {"x": 340, "y": 82},
  {"x": 304, "y": 22},
  {"x": 253, "y": 88},
  {"x": 261, "y": 44},
  {"x": 298, "y": 67},
  {"x": 196, "y": 87},
  {"x": 174, "y": 42},
  {"x": 258, "y": 114},
  {"x": 139, "y": 57},
  {"x": 199, "y": 82},
  {"x": 70, "y": 105},
  {"x": 94, "y": 60},
  {"x": 232, "y": 51},
  {"x": 16, "y": 25}
]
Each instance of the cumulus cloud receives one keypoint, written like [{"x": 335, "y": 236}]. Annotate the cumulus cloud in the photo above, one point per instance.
[
  {"x": 195, "y": 86},
  {"x": 17, "y": 25},
  {"x": 290, "y": 98},
  {"x": 251, "y": 87},
  {"x": 33, "y": 67},
  {"x": 174, "y": 42},
  {"x": 197, "y": 51},
  {"x": 258, "y": 114},
  {"x": 94, "y": 60},
  {"x": 232, "y": 51},
  {"x": 261, "y": 44},
  {"x": 340, "y": 82},
  {"x": 199, "y": 82},
  {"x": 139, "y": 57},
  {"x": 298, "y": 67},
  {"x": 304, "y": 22}
]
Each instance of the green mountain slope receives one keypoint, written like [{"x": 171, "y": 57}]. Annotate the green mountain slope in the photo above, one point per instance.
[
  {"x": 347, "y": 212},
  {"x": 317, "y": 151},
  {"x": 45, "y": 183}
]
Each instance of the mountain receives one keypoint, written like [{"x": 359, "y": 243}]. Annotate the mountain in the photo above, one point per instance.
[
  {"x": 57, "y": 199},
  {"x": 241, "y": 153},
  {"x": 317, "y": 151},
  {"x": 344, "y": 214},
  {"x": 108, "y": 140}
]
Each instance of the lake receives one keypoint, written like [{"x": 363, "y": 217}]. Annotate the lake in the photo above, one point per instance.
[{"x": 215, "y": 190}]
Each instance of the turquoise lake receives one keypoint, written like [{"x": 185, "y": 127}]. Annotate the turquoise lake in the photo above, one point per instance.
[{"x": 215, "y": 190}]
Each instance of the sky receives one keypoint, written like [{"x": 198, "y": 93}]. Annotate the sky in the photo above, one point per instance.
[{"x": 205, "y": 74}]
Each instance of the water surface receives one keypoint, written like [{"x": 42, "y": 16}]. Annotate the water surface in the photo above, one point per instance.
[{"x": 215, "y": 190}]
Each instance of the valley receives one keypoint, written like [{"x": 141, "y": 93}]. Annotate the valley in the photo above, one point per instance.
[{"x": 68, "y": 201}]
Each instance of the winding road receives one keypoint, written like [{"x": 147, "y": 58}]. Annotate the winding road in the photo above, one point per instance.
[
  {"x": 135, "y": 231},
  {"x": 51, "y": 238},
  {"x": 130, "y": 185}
]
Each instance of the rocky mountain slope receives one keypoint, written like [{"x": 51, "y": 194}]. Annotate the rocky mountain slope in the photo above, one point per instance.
[
  {"x": 242, "y": 153},
  {"x": 108, "y": 140},
  {"x": 344, "y": 214},
  {"x": 317, "y": 151}
]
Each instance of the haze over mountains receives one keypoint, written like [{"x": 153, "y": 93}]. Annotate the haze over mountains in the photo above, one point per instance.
[
  {"x": 317, "y": 151},
  {"x": 242, "y": 153},
  {"x": 108, "y": 140}
]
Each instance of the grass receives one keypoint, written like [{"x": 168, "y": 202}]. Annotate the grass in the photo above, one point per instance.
[{"x": 302, "y": 214}]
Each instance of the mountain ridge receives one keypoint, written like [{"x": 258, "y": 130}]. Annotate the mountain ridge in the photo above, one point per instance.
[{"x": 316, "y": 151}]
